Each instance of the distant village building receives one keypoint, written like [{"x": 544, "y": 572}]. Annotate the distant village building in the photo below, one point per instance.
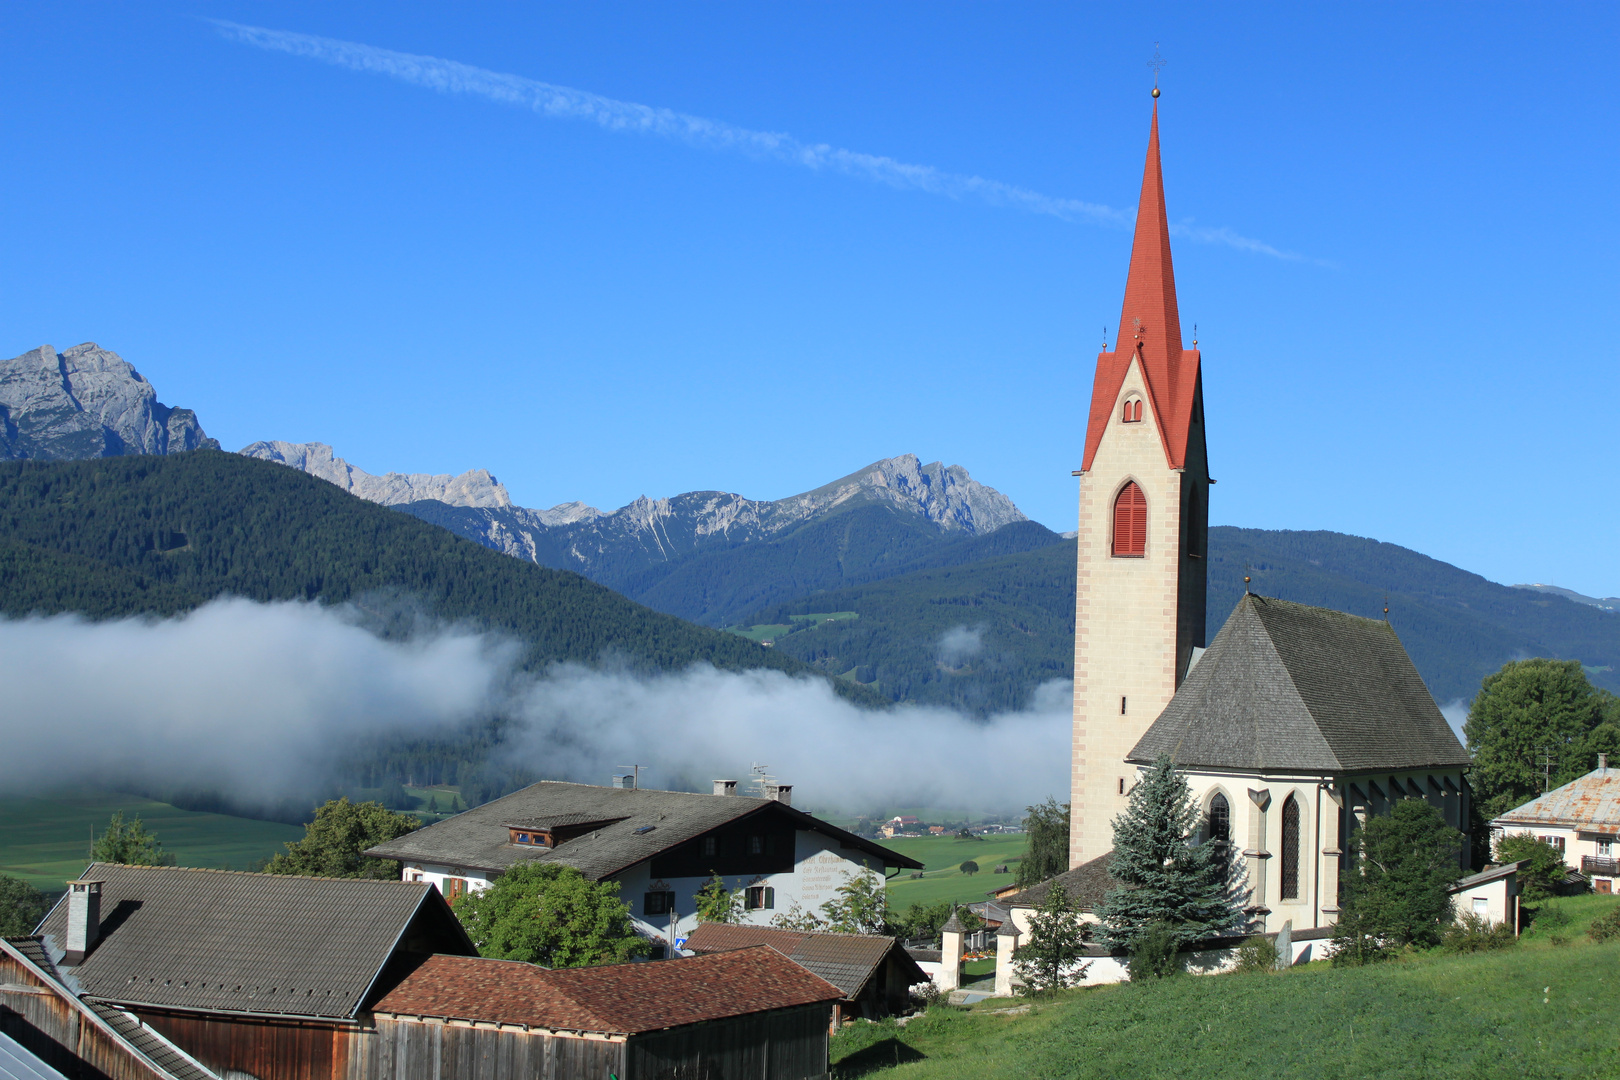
[
  {"x": 659, "y": 847},
  {"x": 1580, "y": 819},
  {"x": 874, "y": 972},
  {"x": 1296, "y": 724}
]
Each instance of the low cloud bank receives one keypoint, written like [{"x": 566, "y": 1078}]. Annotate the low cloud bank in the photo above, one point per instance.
[{"x": 258, "y": 701}]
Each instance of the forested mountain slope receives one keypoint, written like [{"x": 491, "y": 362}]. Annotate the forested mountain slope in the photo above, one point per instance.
[
  {"x": 983, "y": 635},
  {"x": 125, "y": 535}
]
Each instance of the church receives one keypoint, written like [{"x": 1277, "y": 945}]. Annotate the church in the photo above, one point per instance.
[{"x": 1297, "y": 722}]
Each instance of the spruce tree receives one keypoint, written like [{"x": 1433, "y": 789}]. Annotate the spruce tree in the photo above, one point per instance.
[{"x": 1164, "y": 874}]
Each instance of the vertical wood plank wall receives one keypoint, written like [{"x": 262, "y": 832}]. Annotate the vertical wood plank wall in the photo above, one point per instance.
[
  {"x": 267, "y": 1049},
  {"x": 51, "y": 1029}
]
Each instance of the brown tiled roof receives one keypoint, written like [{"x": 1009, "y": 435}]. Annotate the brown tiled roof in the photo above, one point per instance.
[
  {"x": 224, "y": 941},
  {"x": 845, "y": 960},
  {"x": 618, "y": 999}
]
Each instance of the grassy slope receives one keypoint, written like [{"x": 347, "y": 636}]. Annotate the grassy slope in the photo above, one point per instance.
[
  {"x": 1430, "y": 1017},
  {"x": 43, "y": 840},
  {"x": 941, "y": 880}
]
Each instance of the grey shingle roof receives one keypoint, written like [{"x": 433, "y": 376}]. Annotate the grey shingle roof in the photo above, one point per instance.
[
  {"x": 1086, "y": 885},
  {"x": 1287, "y": 687},
  {"x": 478, "y": 838},
  {"x": 222, "y": 941},
  {"x": 1590, "y": 802},
  {"x": 845, "y": 960}
]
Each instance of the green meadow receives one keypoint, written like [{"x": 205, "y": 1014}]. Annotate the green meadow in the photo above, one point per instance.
[
  {"x": 1536, "y": 1010},
  {"x": 44, "y": 840},
  {"x": 941, "y": 880}
]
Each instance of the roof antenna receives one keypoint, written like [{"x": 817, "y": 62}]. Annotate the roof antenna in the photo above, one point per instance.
[{"x": 1156, "y": 63}]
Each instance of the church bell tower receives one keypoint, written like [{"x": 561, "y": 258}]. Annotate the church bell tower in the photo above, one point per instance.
[{"x": 1144, "y": 529}]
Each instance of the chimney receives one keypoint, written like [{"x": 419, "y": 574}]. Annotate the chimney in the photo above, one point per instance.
[
  {"x": 1603, "y": 764},
  {"x": 83, "y": 920},
  {"x": 782, "y": 793},
  {"x": 626, "y": 782},
  {"x": 725, "y": 787}
]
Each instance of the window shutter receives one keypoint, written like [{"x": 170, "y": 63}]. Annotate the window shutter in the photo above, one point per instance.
[{"x": 1130, "y": 522}]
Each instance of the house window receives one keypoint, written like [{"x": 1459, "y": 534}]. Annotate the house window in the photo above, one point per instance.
[
  {"x": 1220, "y": 819},
  {"x": 710, "y": 845},
  {"x": 756, "y": 845},
  {"x": 1122, "y": 704},
  {"x": 1482, "y": 907},
  {"x": 759, "y": 898},
  {"x": 1290, "y": 849},
  {"x": 1122, "y": 785},
  {"x": 1605, "y": 848},
  {"x": 1133, "y": 411},
  {"x": 658, "y": 903},
  {"x": 1555, "y": 841},
  {"x": 454, "y": 887},
  {"x": 1130, "y": 522}
]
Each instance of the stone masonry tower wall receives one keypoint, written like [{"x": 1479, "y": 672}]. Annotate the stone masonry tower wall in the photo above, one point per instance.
[{"x": 1137, "y": 616}]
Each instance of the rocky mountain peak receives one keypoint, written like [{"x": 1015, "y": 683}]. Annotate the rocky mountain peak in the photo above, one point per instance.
[
  {"x": 475, "y": 487},
  {"x": 944, "y": 494},
  {"x": 87, "y": 402}
]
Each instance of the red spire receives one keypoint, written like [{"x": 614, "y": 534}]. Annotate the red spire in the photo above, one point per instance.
[{"x": 1149, "y": 326}]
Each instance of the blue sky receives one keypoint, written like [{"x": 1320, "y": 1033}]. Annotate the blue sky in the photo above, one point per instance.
[{"x": 1399, "y": 245}]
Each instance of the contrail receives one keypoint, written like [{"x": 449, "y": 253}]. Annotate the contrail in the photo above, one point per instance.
[{"x": 568, "y": 103}]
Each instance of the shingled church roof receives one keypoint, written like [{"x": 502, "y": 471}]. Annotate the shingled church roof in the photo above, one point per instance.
[{"x": 1286, "y": 687}]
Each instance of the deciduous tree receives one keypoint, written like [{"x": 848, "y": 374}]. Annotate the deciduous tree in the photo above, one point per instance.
[
  {"x": 1395, "y": 882},
  {"x": 129, "y": 843},
  {"x": 1164, "y": 874},
  {"x": 551, "y": 915},
  {"x": 21, "y": 907},
  {"x": 1529, "y": 711},
  {"x": 861, "y": 906},
  {"x": 1543, "y": 865},
  {"x": 333, "y": 842},
  {"x": 718, "y": 904},
  {"x": 1049, "y": 960},
  {"x": 1047, "y": 853}
]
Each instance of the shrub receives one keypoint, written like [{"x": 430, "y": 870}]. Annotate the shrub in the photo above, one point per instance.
[
  {"x": 1550, "y": 917},
  {"x": 1474, "y": 933},
  {"x": 1257, "y": 954},
  {"x": 1606, "y": 927},
  {"x": 1153, "y": 953}
]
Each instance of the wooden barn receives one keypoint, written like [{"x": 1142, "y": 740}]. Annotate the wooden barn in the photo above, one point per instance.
[
  {"x": 874, "y": 972},
  {"x": 750, "y": 1013},
  {"x": 47, "y": 1030},
  {"x": 266, "y": 975}
]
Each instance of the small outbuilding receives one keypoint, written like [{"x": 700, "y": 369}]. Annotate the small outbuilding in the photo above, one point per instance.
[
  {"x": 1492, "y": 894},
  {"x": 748, "y": 1013},
  {"x": 874, "y": 972}
]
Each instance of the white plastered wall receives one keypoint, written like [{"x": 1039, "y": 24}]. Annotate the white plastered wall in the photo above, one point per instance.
[{"x": 1125, "y": 618}]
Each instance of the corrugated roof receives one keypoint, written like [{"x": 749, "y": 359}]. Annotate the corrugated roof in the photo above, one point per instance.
[
  {"x": 848, "y": 961},
  {"x": 224, "y": 941},
  {"x": 17, "y": 1062},
  {"x": 141, "y": 1040},
  {"x": 1086, "y": 885},
  {"x": 1287, "y": 687},
  {"x": 1591, "y": 803},
  {"x": 479, "y": 839},
  {"x": 622, "y": 999}
]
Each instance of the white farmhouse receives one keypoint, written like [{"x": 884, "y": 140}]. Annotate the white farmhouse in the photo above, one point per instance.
[
  {"x": 659, "y": 847},
  {"x": 1580, "y": 819}
]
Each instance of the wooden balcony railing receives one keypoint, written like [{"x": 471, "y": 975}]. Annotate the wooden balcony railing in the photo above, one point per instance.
[{"x": 1598, "y": 864}]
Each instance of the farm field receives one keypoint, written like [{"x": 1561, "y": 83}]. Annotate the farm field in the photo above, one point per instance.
[
  {"x": 1534, "y": 1010},
  {"x": 43, "y": 839},
  {"x": 941, "y": 880}
]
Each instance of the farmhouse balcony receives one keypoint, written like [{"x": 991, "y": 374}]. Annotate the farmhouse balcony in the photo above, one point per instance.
[{"x": 1599, "y": 864}]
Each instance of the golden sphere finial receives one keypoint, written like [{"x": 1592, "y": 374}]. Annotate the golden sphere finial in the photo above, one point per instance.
[{"x": 1155, "y": 91}]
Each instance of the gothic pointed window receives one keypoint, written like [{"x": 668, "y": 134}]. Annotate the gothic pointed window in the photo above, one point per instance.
[
  {"x": 1290, "y": 849},
  {"x": 1220, "y": 819},
  {"x": 1130, "y": 522}
]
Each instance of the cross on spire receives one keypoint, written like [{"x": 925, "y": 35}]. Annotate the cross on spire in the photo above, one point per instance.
[{"x": 1156, "y": 65}]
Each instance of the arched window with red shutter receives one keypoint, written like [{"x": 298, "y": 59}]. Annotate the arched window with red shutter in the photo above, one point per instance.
[{"x": 1130, "y": 522}]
